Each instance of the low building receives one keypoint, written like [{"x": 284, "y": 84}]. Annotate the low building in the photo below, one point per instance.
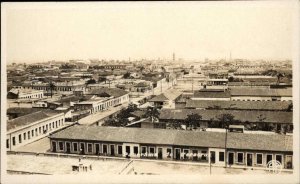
[
  {"x": 102, "y": 99},
  {"x": 239, "y": 105},
  {"x": 211, "y": 94},
  {"x": 16, "y": 112},
  {"x": 277, "y": 121},
  {"x": 31, "y": 127},
  {"x": 25, "y": 94},
  {"x": 261, "y": 94},
  {"x": 166, "y": 100},
  {"x": 248, "y": 150}
]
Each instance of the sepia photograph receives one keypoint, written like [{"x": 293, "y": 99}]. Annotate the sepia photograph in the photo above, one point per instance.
[{"x": 150, "y": 92}]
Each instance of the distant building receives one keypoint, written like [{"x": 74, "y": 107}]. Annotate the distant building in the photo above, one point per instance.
[
  {"x": 210, "y": 94},
  {"x": 25, "y": 94},
  {"x": 166, "y": 100},
  {"x": 104, "y": 98},
  {"x": 261, "y": 94},
  {"x": 276, "y": 121}
]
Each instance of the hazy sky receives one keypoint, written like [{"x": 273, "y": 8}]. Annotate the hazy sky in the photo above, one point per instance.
[{"x": 193, "y": 30}]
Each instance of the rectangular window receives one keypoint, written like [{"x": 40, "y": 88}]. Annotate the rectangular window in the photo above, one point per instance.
[
  {"x": 90, "y": 147},
  {"x": 221, "y": 156},
  {"x": 52, "y": 124},
  {"x": 259, "y": 160},
  {"x": 75, "y": 146},
  {"x": 24, "y": 136},
  {"x": 7, "y": 143},
  {"x": 169, "y": 150},
  {"x": 144, "y": 149},
  {"x": 151, "y": 150},
  {"x": 36, "y": 132},
  {"x": 278, "y": 158},
  {"x": 240, "y": 157},
  {"x": 20, "y": 138},
  {"x": 128, "y": 149},
  {"x": 47, "y": 127},
  {"x": 32, "y": 133},
  {"x": 269, "y": 158},
  {"x": 61, "y": 146},
  {"x": 40, "y": 130},
  {"x": 14, "y": 141},
  {"x": 104, "y": 148},
  {"x": 28, "y": 134},
  {"x": 135, "y": 150},
  {"x": 56, "y": 124},
  {"x": 120, "y": 150}
]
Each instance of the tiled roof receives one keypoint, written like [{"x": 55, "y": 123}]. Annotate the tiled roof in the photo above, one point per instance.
[
  {"x": 260, "y": 92},
  {"x": 177, "y": 137},
  {"x": 243, "y": 116},
  {"x": 29, "y": 118},
  {"x": 116, "y": 92},
  {"x": 211, "y": 94},
  {"x": 159, "y": 98},
  {"x": 169, "y": 95},
  {"x": 250, "y": 105},
  {"x": 22, "y": 110}
]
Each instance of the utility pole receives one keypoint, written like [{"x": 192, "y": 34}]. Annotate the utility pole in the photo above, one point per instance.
[
  {"x": 210, "y": 165},
  {"x": 226, "y": 128}
]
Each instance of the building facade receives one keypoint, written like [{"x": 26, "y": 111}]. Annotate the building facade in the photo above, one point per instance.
[
  {"x": 31, "y": 127},
  {"x": 176, "y": 145}
]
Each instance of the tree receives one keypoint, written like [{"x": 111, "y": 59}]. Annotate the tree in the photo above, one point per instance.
[
  {"x": 126, "y": 75},
  {"x": 290, "y": 108},
  {"x": 193, "y": 121},
  {"x": 91, "y": 81},
  {"x": 152, "y": 113},
  {"x": 279, "y": 77},
  {"x": 174, "y": 124},
  {"x": 230, "y": 79},
  {"x": 52, "y": 87},
  {"x": 225, "y": 120},
  {"x": 132, "y": 107}
]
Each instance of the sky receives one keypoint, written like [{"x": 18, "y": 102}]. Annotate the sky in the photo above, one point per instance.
[{"x": 151, "y": 30}]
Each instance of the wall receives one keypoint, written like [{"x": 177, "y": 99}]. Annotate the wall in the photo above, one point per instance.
[{"x": 35, "y": 126}]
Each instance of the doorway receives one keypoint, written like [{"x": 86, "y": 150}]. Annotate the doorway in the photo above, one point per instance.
[
  {"x": 249, "y": 159},
  {"x": 177, "y": 153},
  {"x": 112, "y": 150},
  {"x": 159, "y": 153},
  {"x": 68, "y": 145},
  {"x": 82, "y": 148},
  {"x": 54, "y": 146},
  {"x": 269, "y": 158},
  {"x": 212, "y": 157},
  {"x": 230, "y": 158},
  {"x": 97, "y": 147}
]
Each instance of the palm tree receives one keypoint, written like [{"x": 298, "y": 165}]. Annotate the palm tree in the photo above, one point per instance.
[
  {"x": 52, "y": 87},
  {"x": 153, "y": 113}
]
